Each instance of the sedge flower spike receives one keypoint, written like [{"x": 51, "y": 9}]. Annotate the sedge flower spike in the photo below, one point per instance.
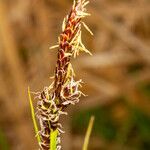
[{"x": 64, "y": 90}]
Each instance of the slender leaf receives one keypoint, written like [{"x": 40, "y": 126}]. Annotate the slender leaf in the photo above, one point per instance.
[
  {"x": 53, "y": 139},
  {"x": 33, "y": 117},
  {"x": 88, "y": 133}
]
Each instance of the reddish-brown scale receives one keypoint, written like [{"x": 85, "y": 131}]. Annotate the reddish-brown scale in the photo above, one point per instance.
[
  {"x": 46, "y": 139},
  {"x": 61, "y": 56},
  {"x": 44, "y": 147},
  {"x": 68, "y": 32},
  {"x": 64, "y": 37}
]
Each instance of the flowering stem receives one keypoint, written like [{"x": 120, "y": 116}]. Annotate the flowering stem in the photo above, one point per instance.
[{"x": 64, "y": 90}]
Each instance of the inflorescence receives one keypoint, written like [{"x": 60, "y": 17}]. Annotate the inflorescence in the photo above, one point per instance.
[{"x": 64, "y": 90}]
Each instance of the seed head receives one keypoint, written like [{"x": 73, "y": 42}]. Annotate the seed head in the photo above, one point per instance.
[{"x": 64, "y": 90}]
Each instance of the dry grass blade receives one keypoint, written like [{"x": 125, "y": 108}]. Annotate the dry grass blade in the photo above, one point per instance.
[
  {"x": 33, "y": 117},
  {"x": 88, "y": 133}
]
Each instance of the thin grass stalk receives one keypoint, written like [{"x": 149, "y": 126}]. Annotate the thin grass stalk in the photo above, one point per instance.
[{"x": 88, "y": 133}]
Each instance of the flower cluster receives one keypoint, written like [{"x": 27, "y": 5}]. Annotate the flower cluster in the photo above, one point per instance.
[{"x": 64, "y": 90}]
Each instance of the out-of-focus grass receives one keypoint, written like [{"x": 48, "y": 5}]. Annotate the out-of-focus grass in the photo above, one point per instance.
[
  {"x": 103, "y": 125},
  {"x": 134, "y": 69},
  {"x": 3, "y": 141},
  {"x": 133, "y": 132},
  {"x": 142, "y": 123},
  {"x": 145, "y": 89}
]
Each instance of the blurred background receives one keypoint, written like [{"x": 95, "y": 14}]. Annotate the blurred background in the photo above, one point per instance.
[{"x": 116, "y": 78}]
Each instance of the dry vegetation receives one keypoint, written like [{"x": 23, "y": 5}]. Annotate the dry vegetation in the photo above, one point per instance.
[{"x": 119, "y": 66}]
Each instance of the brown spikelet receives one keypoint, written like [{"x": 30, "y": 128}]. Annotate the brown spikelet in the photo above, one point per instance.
[{"x": 64, "y": 90}]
